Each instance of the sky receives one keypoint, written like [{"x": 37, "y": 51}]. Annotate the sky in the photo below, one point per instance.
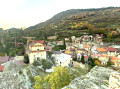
[{"x": 25, "y": 13}]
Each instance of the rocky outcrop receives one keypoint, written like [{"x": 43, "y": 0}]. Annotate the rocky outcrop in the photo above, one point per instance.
[
  {"x": 97, "y": 78},
  {"x": 17, "y": 76},
  {"x": 114, "y": 80}
]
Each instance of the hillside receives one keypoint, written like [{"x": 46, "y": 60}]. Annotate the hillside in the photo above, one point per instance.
[
  {"x": 78, "y": 22},
  {"x": 101, "y": 17},
  {"x": 65, "y": 24}
]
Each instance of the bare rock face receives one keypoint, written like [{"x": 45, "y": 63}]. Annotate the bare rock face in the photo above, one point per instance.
[
  {"x": 97, "y": 78},
  {"x": 11, "y": 79},
  {"x": 17, "y": 76},
  {"x": 114, "y": 80}
]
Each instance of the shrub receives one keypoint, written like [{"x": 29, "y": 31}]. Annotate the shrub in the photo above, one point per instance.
[
  {"x": 26, "y": 59},
  {"x": 97, "y": 62},
  {"x": 37, "y": 63},
  {"x": 46, "y": 64},
  {"x": 59, "y": 78}
]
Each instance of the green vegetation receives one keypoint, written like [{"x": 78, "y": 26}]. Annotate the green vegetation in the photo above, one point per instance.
[
  {"x": 59, "y": 47},
  {"x": 58, "y": 79},
  {"x": 46, "y": 64},
  {"x": 83, "y": 59},
  {"x": 78, "y": 71},
  {"x": 65, "y": 24},
  {"x": 37, "y": 63},
  {"x": 2, "y": 54},
  {"x": 109, "y": 63},
  {"x": 26, "y": 59}
]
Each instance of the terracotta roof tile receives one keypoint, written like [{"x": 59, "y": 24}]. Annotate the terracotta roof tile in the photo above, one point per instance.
[
  {"x": 86, "y": 46},
  {"x": 104, "y": 55},
  {"x": 111, "y": 49},
  {"x": 101, "y": 50},
  {"x": 39, "y": 41},
  {"x": 1, "y": 68}
]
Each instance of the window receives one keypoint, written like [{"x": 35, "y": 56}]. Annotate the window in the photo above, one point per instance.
[
  {"x": 60, "y": 62},
  {"x": 38, "y": 58},
  {"x": 72, "y": 62}
]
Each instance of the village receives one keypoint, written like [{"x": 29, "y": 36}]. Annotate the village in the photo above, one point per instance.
[{"x": 77, "y": 51}]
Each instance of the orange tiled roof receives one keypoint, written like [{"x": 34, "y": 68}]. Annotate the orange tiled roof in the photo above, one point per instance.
[
  {"x": 68, "y": 51},
  {"x": 114, "y": 59},
  {"x": 39, "y": 41},
  {"x": 101, "y": 50},
  {"x": 110, "y": 49},
  {"x": 86, "y": 46},
  {"x": 105, "y": 55}
]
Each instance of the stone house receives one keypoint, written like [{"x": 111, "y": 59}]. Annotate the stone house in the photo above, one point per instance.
[
  {"x": 48, "y": 48},
  {"x": 68, "y": 45},
  {"x": 104, "y": 59},
  {"x": 98, "y": 39},
  {"x": 86, "y": 38},
  {"x": 81, "y": 51},
  {"x": 36, "y": 51},
  {"x": 111, "y": 51},
  {"x": 102, "y": 51},
  {"x": 52, "y": 37},
  {"x": 115, "y": 60}
]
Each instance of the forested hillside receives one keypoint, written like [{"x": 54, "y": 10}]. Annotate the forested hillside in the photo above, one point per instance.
[
  {"x": 102, "y": 17},
  {"x": 78, "y": 21}
]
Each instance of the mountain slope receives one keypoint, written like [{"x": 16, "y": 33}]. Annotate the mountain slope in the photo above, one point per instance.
[{"x": 101, "y": 17}]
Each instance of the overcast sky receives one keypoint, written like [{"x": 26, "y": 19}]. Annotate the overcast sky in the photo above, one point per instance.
[{"x": 25, "y": 13}]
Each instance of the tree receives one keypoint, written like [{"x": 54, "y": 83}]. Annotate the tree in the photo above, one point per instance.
[
  {"x": 97, "y": 62},
  {"x": 37, "y": 63},
  {"x": 26, "y": 59},
  {"x": 75, "y": 58},
  {"x": 64, "y": 45},
  {"x": 109, "y": 63},
  {"x": 91, "y": 61},
  {"x": 2, "y": 54},
  {"x": 39, "y": 84},
  {"x": 59, "y": 78},
  {"x": 109, "y": 35},
  {"x": 83, "y": 59},
  {"x": 46, "y": 64}
]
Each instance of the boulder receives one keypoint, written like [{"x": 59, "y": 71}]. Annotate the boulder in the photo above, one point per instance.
[
  {"x": 114, "y": 80},
  {"x": 18, "y": 76},
  {"x": 97, "y": 78}
]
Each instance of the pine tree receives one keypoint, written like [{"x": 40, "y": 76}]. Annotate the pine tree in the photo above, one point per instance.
[{"x": 83, "y": 59}]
